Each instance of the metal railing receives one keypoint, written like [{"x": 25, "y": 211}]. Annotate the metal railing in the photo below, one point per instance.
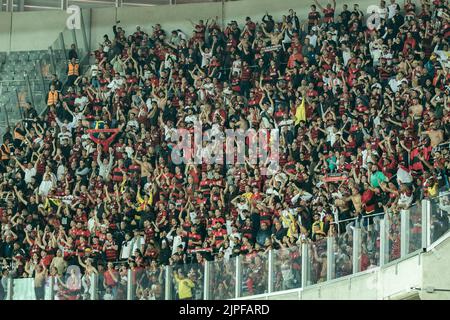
[
  {"x": 374, "y": 242},
  {"x": 31, "y": 84}
]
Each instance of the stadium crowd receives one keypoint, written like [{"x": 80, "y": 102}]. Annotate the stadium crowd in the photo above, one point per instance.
[{"x": 363, "y": 115}]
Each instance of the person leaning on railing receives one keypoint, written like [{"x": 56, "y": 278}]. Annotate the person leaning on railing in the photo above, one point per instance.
[{"x": 184, "y": 285}]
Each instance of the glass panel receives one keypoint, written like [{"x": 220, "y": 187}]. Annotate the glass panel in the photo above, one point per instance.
[
  {"x": 287, "y": 269},
  {"x": 370, "y": 242},
  {"x": 317, "y": 260},
  {"x": 71, "y": 285},
  {"x": 23, "y": 289},
  {"x": 59, "y": 58},
  {"x": 394, "y": 235},
  {"x": 415, "y": 227},
  {"x": 222, "y": 279},
  {"x": 254, "y": 273},
  {"x": 112, "y": 284},
  {"x": 93, "y": 4},
  {"x": 188, "y": 281},
  {"x": 343, "y": 253},
  {"x": 148, "y": 283},
  {"x": 440, "y": 210}
]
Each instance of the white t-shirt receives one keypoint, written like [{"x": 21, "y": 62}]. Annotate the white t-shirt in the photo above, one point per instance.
[
  {"x": 81, "y": 101},
  {"x": 383, "y": 12},
  {"x": 391, "y": 10},
  {"x": 45, "y": 187},
  {"x": 205, "y": 58},
  {"x": 346, "y": 55},
  {"x": 29, "y": 173},
  {"x": 94, "y": 70},
  {"x": 312, "y": 39}
]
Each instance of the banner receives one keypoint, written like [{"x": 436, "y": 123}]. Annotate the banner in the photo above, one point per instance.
[
  {"x": 271, "y": 48},
  {"x": 335, "y": 178}
]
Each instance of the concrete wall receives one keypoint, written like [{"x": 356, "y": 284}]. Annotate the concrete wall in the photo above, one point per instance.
[
  {"x": 30, "y": 30},
  {"x": 5, "y": 30},
  {"x": 435, "y": 271},
  {"x": 376, "y": 284},
  {"x": 177, "y": 17},
  {"x": 394, "y": 281},
  {"x": 46, "y": 25}
]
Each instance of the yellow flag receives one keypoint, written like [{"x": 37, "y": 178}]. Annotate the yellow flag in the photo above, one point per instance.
[{"x": 300, "y": 113}]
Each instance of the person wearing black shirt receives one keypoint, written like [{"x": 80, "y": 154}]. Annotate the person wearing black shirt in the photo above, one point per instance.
[
  {"x": 56, "y": 83},
  {"x": 397, "y": 21},
  {"x": 292, "y": 17},
  {"x": 7, "y": 135},
  {"x": 345, "y": 15},
  {"x": 73, "y": 52},
  {"x": 269, "y": 24}
]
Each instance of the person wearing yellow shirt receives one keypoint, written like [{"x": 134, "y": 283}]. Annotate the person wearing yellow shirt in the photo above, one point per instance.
[
  {"x": 248, "y": 195},
  {"x": 291, "y": 223},
  {"x": 143, "y": 202},
  {"x": 185, "y": 285}
]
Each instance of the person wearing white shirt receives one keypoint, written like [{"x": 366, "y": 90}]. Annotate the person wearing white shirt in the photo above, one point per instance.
[
  {"x": 46, "y": 185},
  {"x": 29, "y": 170},
  {"x": 375, "y": 51},
  {"x": 176, "y": 240},
  {"x": 206, "y": 56},
  {"x": 237, "y": 66},
  {"x": 382, "y": 10},
  {"x": 346, "y": 54},
  {"x": 312, "y": 39},
  {"x": 105, "y": 165},
  {"x": 403, "y": 176},
  {"x": 137, "y": 243},
  {"x": 127, "y": 246},
  {"x": 302, "y": 195},
  {"x": 116, "y": 83},
  {"x": 81, "y": 102},
  {"x": 367, "y": 156},
  {"x": 169, "y": 131},
  {"x": 392, "y": 9},
  {"x": 396, "y": 82},
  {"x": 92, "y": 222},
  {"x": 61, "y": 172}
]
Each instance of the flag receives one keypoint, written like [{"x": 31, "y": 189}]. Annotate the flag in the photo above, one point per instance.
[{"x": 300, "y": 112}]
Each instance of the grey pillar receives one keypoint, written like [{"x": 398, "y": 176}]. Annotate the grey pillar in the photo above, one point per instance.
[
  {"x": 30, "y": 90},
  {"x": 18, "y": 103},
  {"x": 206, "y": 281},
  {"x": 305, "y": 265},
  {"x": 63, "y": 45},
  {"x": 44, "y": 89},
  {"x": 168, "y": 283},
  {"x": 130, "y": 288},
  {"x": 94, "y": 286},
  {"x": 356, "y": 250},
  {"x": 10, "y": 286},
  {"x": 426, "y": 223},
  {"x": 384, "y": 241},
  {"x": 64, "y": 4},
  {"x": 52, "y": 288},
  {"x": 330, "y": 259},
  {"x": 238, "y": 288},
  {"x": 75, "y": 41},
  {"x": 20, "y": 5},
  {"x": 83, "y": 33},
  {"x": 404, "y": 232},
  {"x": 271, "y": 271},
  {"x": 9, "y": 5},
  {"x": 52, "y": 59}
]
